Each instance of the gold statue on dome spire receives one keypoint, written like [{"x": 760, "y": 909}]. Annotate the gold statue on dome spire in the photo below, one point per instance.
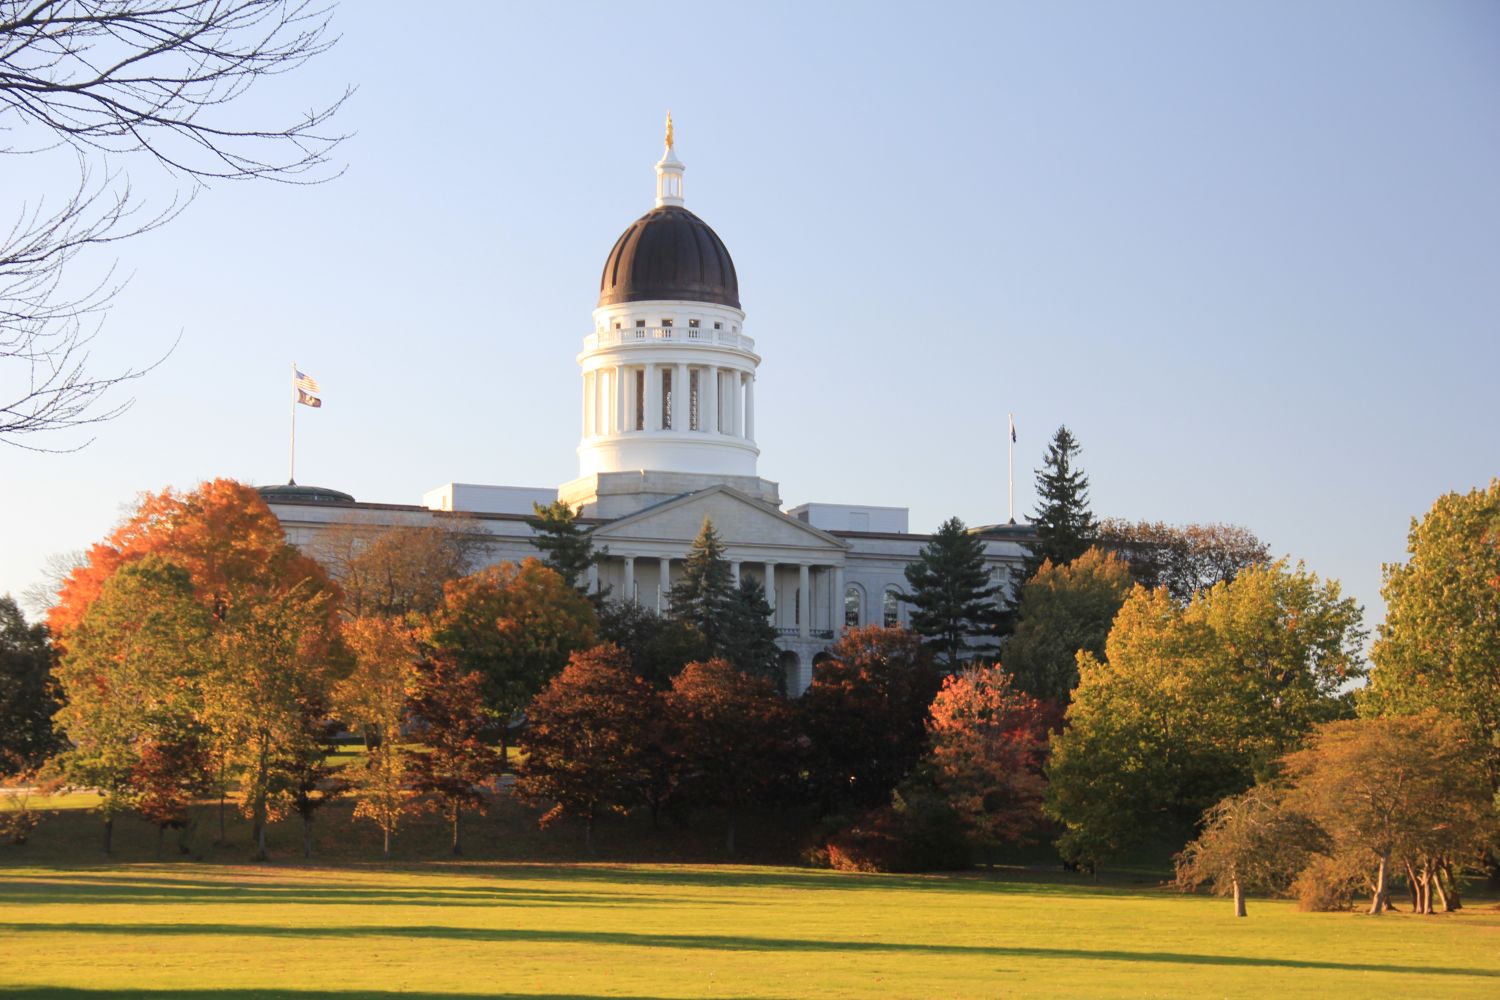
[{"x": 669, "y": 130}]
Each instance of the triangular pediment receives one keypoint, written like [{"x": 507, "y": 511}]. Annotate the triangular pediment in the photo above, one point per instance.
[{"x": 741, "y": 522}]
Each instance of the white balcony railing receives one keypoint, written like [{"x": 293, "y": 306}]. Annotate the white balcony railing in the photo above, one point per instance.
[{"x": 669, "y": 335}]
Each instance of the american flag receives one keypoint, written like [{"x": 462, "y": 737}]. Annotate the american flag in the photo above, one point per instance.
[{"x": 306, "y": 382}]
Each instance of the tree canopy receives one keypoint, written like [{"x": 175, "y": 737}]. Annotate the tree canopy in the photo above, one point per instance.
[
  {"x": 28, "y": 693},
  {"x": 1064, "y": 609},
  {"x": 1064, "y": 523},
  {"x": 566, "y": 546},
  {"x": 1191, "y": 704},
  {"x": 951, "y": 594},
  {"x": 1439, "y": 646},
  {"x": 1183, "y": 559}
]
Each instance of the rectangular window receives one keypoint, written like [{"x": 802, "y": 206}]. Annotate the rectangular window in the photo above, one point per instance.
[
  {"x": 640, "y": 324},
  {"x": 693, "y": 323},
  {"x": 693, "y": 421},
  {"x": 640, "y": 400},
  {"x": 666, "y": 399}
]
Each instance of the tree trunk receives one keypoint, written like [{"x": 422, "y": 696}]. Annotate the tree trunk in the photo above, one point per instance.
[
  {"x": 1414, "y": 886},
  {"x": 1378, "y": 900},
  {"x": 109, "y": 835},
  {"x": 307, "y": 836},
  {"x": 1426, "y": 892},
  {"x": 1239, "y": 899},
  {"x": 457, "y": 844},
  {"x": 1448, "y": 885},
  {"x": 385, "y": 847}
]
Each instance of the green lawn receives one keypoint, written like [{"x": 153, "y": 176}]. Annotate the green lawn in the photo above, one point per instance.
[{"x": 651, "y": 930}]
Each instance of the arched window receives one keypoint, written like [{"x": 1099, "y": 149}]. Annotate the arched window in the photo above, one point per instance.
[
  {"x": 890, "y": 608},
  {"x": 854, "y": 600}
]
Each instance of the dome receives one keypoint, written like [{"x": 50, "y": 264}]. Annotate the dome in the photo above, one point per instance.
[
  {"x": 302, "y": 494},
  {"x": 669, "y": 253}
]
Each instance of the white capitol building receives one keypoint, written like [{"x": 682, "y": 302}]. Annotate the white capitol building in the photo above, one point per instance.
[{"x": 668, "y": 439}]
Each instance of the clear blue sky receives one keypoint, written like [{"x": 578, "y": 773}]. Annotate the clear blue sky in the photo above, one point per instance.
[{"x": 1249, "y": 253}]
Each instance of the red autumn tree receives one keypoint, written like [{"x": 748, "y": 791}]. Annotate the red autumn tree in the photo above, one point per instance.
[
  {"x": 865, "y": 715},
  {"x": 587, "y": 737},
  {"x": 732, "y": 732},
  {"x": 448, "y": 718},
  {"x": 169, "y": 774},
  {"x": 989, "y": 742}
]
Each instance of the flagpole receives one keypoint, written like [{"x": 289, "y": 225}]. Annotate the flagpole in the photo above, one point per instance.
[
  {"x": 1010, "y": 444},
  {"x": 292, "y": 479}
]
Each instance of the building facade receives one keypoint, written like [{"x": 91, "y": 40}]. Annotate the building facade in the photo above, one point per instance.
[{"x": 668, "y": 439}]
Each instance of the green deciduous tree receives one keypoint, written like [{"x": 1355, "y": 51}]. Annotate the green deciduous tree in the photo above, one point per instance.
[
  {"x": 588, "y": 737},
  {"x": 516, "y": 626},
  {"x": 276, "y": 660},
  {"x": 449, "y": 718},
  {"x": 1064, "y": 523},
  {"x": 1439, "y": 645},
  {"x": 658, "y": 646},
  {"x": 1064, "y": 609},
  {"x": 951, "y": 594},
  {"x": 1192, "y": 704}
]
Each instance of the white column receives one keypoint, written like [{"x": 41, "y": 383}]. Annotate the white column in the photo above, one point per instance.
[
  {"x": 601, "y": 402},
  {"x": 838, "y": 601},
  {"x": 681, "y": 387},
  {"x": 665, "y": 585},
  {"x": 630, "y": 579},
  {"x": 708, "y": 406},
  {"x": 750, "y": 407},
  {"x": 593, "y": 578},
  {"x": 804, "y": 601},
  {"x": 737, "y": 381},
  {"x": 771, "y": 589},
  {"x": 618, "y": 384},
  {"x": 734, "y": 573},
  {"x": 653, "y": 397},
  {"x": 588, "y": 404}
]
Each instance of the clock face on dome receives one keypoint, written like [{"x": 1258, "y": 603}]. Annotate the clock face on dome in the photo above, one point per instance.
[{"x": 669, "y": 254}]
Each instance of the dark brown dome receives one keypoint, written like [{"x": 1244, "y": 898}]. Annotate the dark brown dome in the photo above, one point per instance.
[{"x": 669, "y": 253}]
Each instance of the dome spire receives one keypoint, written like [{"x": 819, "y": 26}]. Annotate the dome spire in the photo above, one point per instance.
[{"x": 669, "y": 172}]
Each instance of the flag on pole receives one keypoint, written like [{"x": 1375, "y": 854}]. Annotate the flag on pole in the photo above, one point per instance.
[
  {"x": 308, "y": 399},
  {"x": 305, "y": 382},
  {"x": 1012, "y": 427}
]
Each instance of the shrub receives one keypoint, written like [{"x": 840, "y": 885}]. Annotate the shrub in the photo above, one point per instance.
[{"x": 1328, "y": 884}]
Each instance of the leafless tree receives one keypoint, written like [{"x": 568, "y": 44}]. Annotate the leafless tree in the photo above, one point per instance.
[{"x": 118, "y": 81}]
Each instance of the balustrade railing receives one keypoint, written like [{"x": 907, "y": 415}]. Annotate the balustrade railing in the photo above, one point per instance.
[{"x": 670, "y": 335}]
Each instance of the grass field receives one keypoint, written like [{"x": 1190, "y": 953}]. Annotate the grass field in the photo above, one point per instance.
[
  {"x": 523, "y": 916},
  {"x": 595, "y": 930}
]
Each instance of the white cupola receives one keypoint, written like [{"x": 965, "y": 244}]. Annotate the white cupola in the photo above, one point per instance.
[{"x": 668, "y": 373}]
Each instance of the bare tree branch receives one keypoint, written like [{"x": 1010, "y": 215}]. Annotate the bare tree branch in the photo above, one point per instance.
[{"x": 119, "y": 80}]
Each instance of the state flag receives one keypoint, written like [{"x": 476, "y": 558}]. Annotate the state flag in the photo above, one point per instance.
[{"x": 308, "y": 399}]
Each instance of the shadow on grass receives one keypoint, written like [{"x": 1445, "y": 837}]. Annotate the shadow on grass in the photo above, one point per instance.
[
  {"x": 63, "y": 993},
  {"x": 715, "y": 942},
  {"x": 140, "y": 890}
]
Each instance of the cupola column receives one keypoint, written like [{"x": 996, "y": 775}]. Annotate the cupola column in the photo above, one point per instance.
[
  {"x": 708, "y": 406},
  {"x": 750, "y": 407}
]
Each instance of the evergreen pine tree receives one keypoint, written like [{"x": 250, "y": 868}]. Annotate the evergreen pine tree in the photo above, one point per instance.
[
  {"x": 1064, "y": 524},
  {"x": 749, "y": 636},
  {"x": 703, "y": 595},
  {"x": 565, "y": 546},
  {"x": 951, "y": 593}
]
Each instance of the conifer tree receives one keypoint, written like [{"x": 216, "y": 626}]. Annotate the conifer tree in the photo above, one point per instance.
[
  {"x": 565, "y": 546},
  {"x": 1064, "y": 524},
  {"x": 705, "y": 593},
  {"x": 951, "y": 593},
  {"x": 749, "y": 638}
]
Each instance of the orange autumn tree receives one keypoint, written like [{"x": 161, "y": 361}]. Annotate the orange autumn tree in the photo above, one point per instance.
[
  {"x": 272, "y": 613},
  {"x": 222, "y": 533}
]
